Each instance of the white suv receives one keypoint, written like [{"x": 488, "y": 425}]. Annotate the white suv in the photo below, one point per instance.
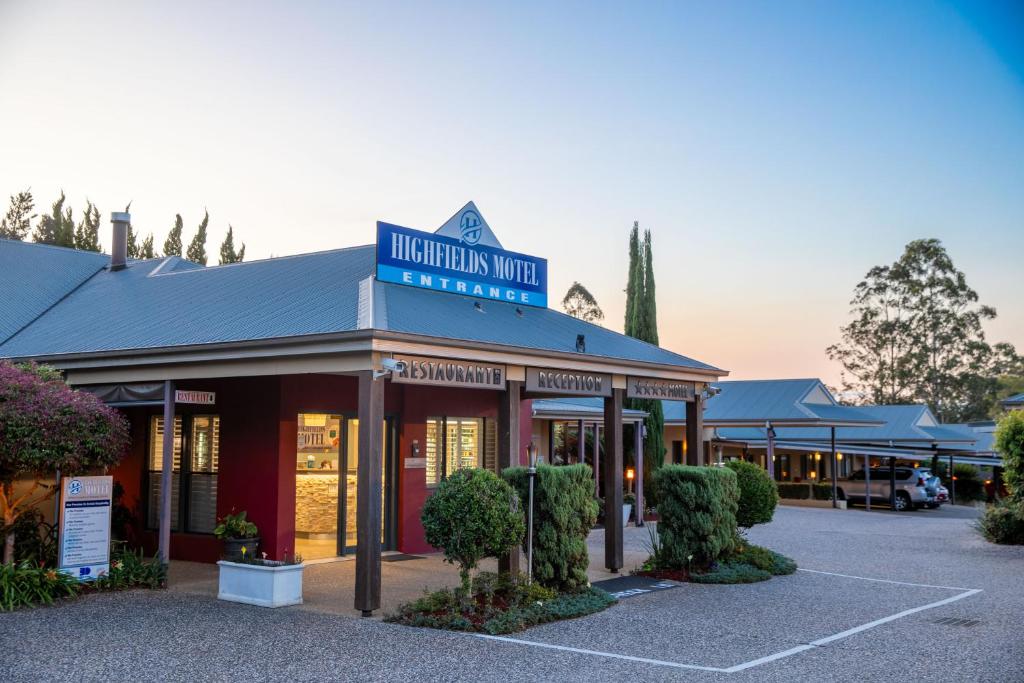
[{"x": 911, "y": 492}]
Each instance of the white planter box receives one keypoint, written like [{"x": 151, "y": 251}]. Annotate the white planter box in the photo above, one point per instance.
[
  {"x": 626, "y": 509},
  {"x": 265, "y": 586}
]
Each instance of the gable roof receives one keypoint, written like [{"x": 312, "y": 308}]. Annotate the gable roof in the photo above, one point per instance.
[
  {"x": 37, "y": 276},
  {"x": 905, "y": 424},
  {"x": 166, "y": 303},
  {"x": 784, "y": 402}
]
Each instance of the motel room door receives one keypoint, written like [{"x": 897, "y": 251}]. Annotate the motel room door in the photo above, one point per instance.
[{"x": 327, "y": 461}]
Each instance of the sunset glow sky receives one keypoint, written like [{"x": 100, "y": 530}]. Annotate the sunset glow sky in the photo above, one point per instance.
[{"x": 776, "y": 150}]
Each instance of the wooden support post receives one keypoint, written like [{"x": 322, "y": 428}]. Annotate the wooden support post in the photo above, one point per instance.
[
  {"x": 597, "y": 460},
  {"x": 509, "y": 449},
  {"x": 769, "y": 458},
  {"x": 892, "y": 483},
  {"x": 952, "y": 482},
  {"x": 581, "y": 443},
  {"x": 613, "y": 480},
  {"x": 638, "y": 428},
  {"x": 695, "y": 432},
  {"x": 867, "y": 482},
  {"x": 166, "y": 475},
  {"x": 368, "y": 493}
]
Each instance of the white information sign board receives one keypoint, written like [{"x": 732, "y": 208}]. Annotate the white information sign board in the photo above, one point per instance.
[{"x": 85, "y": 526}]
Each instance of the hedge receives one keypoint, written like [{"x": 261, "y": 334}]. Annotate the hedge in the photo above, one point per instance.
[
  {"x": 697, "y": 514},
  {"x": 758, "y": 496},
  {"x": 794, "y": 491},
  {"x": 564, "y": 512}
]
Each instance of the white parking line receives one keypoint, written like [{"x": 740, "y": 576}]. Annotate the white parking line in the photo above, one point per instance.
[{"x": 967, "y": 592}]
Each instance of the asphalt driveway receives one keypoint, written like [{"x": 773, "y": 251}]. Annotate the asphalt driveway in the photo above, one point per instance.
[{"x": 881, "y": 596}]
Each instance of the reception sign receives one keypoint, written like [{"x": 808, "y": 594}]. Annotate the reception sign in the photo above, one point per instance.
[
  {"x": 85, "y": 526},
  {"x": 665, "y": 389},
  {"x": 431, "y": 261},
  {"x": 568, "y": 382}
]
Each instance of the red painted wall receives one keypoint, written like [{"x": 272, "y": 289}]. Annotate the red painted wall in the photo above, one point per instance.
[{"x": 257, "y": 451}]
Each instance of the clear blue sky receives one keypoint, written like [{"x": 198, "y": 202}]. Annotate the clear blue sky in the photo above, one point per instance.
[{"x": 776, "y": 150}]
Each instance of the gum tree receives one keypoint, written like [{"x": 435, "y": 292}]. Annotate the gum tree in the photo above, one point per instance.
[{"x": 44, "y": 426}]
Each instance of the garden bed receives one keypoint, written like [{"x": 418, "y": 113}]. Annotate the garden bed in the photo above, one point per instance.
[
  {"x": 747, "y": 564},
  {"x": 499, "y": 604}
]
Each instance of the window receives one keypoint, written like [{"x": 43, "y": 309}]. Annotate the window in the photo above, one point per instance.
[
  {"x": 194, "y": 472},
  {"x": 455, "y": 442}
]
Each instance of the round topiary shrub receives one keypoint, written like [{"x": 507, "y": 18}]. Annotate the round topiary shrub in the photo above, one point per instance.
[
  {"x": 758, "y": 494},
  {"x": 472, "y": 515}
]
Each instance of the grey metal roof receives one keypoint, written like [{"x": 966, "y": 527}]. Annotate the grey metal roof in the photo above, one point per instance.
[
  {"x": 919, "y": 454},
  {"x": 165, "y": 303},
  {"x": 1015, "y": 400},
  {"x": 805, "y": 402},
  {"x": 34, "y": 277},
  {"x": 904, "y": 424},
  {"x": 586, "y": 407}
]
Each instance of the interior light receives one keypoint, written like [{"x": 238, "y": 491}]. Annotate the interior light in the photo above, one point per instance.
[
  {"x": 817, "y": 456},
  {"x": 630, "y": 474}
]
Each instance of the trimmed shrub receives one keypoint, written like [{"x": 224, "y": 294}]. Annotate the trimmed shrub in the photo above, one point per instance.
[
  {"x": 824, "y": 492},
  {"x": 758, "y": 495},
  {"x": 697, "y": 509},
  {"x": 564, "y": 512},
  {"x": 1003, "y": 523},
  {"x": 790, "y": 491},
  {"x": 472, "y": 515},
  {"x": 1009, "y": 441}
]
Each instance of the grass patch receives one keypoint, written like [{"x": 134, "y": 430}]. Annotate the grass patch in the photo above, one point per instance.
[{"x": 498, "y": 604}]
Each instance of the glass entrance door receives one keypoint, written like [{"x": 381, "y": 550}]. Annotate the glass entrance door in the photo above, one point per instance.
[
  {"x": 350, "y": 478},
  {"x": 317, "y": 466},
  {"x": 326, "y": 469}
]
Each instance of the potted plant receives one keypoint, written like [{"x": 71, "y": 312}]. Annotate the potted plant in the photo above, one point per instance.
[
  {"x": 261, "y": 582},
  {"x": 628, "y": 501},
  {"x": 238, "y": 533}
]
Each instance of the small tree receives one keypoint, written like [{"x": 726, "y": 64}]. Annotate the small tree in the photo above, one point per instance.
[
  {"x": 758, "y": 494},
  {"x": 472, "y": 515},
  {"x": 87, "y": 234},
  {"x": 580, "y": 303},
  {"x": 1009, "y": 441},
  {"x": 18, "y": 220},
  {"x": 45, "y": 426},
  {"x": 227, "y": 249}
]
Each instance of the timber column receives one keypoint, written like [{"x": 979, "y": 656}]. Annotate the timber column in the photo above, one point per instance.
[
  {"x": 368, "y": 492},
  {"x": 509, "y": 449},
  {"x": 695, "y": 431},
  {"x": 612, "y": 472}
]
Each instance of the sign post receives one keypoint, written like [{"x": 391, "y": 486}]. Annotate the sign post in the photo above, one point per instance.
[{"x": 85, "y": 526}]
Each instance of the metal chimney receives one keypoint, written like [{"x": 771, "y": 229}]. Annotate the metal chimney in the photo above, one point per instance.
[{"x": 119, "y": 246}]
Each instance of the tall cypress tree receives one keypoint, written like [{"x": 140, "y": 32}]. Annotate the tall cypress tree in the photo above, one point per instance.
[
  {"x": 633, "y": 282},
  {"x": 172, "y": 245},
  {"x": 197, "y": 247},
  {"x": 87, "y": 234},
  {"x": 227, "y": 249},
  {"x": 649, "y": 333},
  {"x": 57, "y": 227},
  {"x": 146, "y": 250},
  {"x": 133, "y": 243}
]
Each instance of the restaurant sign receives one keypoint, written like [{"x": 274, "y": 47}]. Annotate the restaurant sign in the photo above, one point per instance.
[
  {"x": 664, "y": 389},
  {"x": 568, "y": 382},
  {"x": 443, "y": 372},
  {"x": 459, "y": 265},
  {"x": 206, "y": 398},
  {"x": 84, "y": 524}
]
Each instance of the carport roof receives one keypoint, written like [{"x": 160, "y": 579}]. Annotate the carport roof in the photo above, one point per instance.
[
  {"x": 581, "y": 407},
  {"x": 799, "y": 403},
  {"x": 167, "y": 303},
  {"x": 880, "y": 451}
]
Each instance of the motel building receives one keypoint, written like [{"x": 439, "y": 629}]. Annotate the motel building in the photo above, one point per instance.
[{"x": 327, "y": 394}]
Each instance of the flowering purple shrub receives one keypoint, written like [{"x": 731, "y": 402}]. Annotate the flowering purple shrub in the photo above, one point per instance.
[{"x": 46, "y": 425}]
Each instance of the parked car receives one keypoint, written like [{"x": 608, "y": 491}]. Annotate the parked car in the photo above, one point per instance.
[
  {"x": 936, "y": 490},
  {"x": 911, "y": 487}
]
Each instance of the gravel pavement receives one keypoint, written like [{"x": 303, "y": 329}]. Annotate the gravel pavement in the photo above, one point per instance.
[{"x": 172, "y": 635}]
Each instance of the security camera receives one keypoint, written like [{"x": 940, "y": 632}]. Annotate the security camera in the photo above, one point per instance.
[
  {"x": 393, "y": 365},
  {"x": 713, "y": 390}
]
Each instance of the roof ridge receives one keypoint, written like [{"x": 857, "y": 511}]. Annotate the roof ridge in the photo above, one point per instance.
[
  {"x": 269, "y": 259},
  {"x": 41, "y": 245}
]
